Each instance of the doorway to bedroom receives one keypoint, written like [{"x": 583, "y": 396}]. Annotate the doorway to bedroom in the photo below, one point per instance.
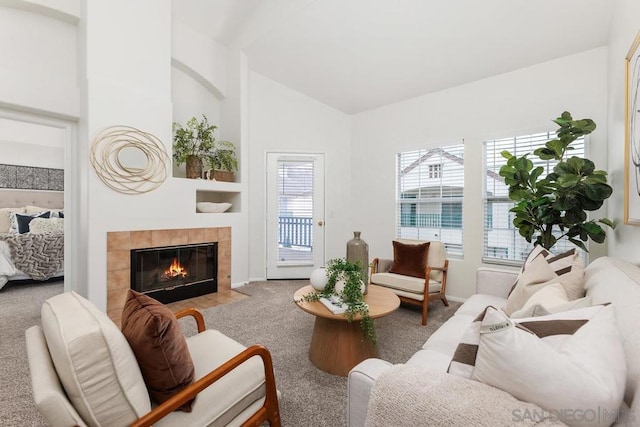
[{"x": 32, "y": 182}]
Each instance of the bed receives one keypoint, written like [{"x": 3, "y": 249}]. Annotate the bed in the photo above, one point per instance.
[{"x": 34, "y": 248}]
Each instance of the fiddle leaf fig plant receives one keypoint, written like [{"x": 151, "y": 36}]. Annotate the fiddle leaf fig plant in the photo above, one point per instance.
[{"x": 555, "y": 206}]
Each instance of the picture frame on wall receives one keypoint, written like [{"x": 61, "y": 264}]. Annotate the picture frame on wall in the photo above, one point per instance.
[{"x": 632, "y": 135}]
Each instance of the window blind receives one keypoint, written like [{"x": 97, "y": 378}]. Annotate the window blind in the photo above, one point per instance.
[
  {"x": 295, "y": 212},
  {"x": 502, "y": 241},
  {"x": 429, "y": 195}
]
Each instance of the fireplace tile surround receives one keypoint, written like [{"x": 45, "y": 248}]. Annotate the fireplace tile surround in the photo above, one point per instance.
[{"x": 120, "y": 243}]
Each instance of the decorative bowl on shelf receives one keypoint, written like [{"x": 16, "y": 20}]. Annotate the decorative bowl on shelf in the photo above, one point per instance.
[{"x": 210, "y": 207}]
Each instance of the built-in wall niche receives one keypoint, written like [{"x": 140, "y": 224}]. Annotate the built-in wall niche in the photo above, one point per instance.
[{"x": 214, "y": 196}]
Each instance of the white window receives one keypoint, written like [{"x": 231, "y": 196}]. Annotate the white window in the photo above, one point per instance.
[
  {"x": 429, "y": 201},
  {"x": 502, "y": 242},
  {"x": 435, "y": 171}
]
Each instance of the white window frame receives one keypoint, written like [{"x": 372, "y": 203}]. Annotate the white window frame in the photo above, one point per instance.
[
  {"x": 505, "y": 240},
  {"x": 436, "y": 169}
]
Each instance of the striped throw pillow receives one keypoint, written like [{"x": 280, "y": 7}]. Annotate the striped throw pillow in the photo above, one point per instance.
[
  {"x": 541, "y": 268},
  {"x": 562, "y": 362}
]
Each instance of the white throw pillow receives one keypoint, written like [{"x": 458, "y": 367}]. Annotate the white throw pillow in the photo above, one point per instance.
[
  {"x": 549, "y": 296},
  {"x": 46, "y": 225},
  {"x": 5, "y": 218},
  {"x": 564, "y": 362},
  {"x": 566, "y": 268},
  {"x": 94, "y": 362},
  {"x": 537, "y": 310}
]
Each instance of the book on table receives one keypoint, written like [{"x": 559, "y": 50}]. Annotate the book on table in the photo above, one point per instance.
[{"x": 334, "y": 304}]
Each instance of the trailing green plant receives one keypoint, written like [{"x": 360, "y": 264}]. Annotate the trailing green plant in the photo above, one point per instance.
[
  {"x": 224, "y": 157},
  {"x": 340, "y": 269},
  {"x": 555, "y": 206},
  {"x": 194, "y": 139}
]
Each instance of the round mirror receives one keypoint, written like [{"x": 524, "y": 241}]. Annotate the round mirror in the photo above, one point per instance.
[{"x": 131, "y": 158}]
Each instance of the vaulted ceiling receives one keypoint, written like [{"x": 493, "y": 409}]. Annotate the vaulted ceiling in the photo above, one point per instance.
[{"x": 357, "y": 55}]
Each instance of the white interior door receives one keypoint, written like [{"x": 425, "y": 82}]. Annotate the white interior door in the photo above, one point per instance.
[{"x": 295, "y": 214}]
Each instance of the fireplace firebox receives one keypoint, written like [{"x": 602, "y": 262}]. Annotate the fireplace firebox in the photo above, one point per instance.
[{"x": 174, "y": 273}]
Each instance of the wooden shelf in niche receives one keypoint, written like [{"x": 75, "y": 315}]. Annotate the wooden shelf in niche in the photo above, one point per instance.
[{"x": 214, "y": 196}]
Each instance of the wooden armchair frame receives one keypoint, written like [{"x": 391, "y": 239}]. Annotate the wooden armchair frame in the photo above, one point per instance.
[
  {"x": 425, "y": 301},
  {"x": 268, "y": 412}
]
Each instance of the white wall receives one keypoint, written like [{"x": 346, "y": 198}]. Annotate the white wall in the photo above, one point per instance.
[
  {"x": 129, "y": 83},
  {"x": 281, "y": 119},
  {"x": 192, "y": 99},
  {"x": 624, "y": 28},
  {"x": 29, "y": 144},
  {"x": 38, "y": 63},
  {"x": 510, "y": 104}
]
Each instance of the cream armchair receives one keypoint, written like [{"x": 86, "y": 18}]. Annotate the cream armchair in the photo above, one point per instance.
[
  {"x": 84, "y": 373},
  {"x": 413, "y": 290}
]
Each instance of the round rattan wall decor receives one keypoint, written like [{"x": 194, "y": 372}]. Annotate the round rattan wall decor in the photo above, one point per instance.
[{"x": 129, "y": 160}]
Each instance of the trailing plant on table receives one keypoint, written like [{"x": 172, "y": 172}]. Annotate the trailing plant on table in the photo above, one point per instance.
[
  {"x": 352, "y": 294},
  {"x": 559, "y": 201}
]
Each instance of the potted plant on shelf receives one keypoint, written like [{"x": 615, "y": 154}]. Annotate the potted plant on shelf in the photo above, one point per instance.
[
  {"x": 193, "y": 143},
  {"x": 223, "y": 161},
  {"x": 344, "y": 279},
  {"x": 555, "y": 206}
]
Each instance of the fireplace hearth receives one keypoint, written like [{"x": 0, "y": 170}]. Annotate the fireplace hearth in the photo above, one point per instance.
[{"x": 174, "y": 273}]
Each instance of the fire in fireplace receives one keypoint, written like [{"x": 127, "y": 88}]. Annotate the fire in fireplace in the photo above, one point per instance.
[{"x": 174, "y": 273}]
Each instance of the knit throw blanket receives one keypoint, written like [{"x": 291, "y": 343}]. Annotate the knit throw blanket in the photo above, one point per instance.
[
  {"x": 408, "y": 395},
  {"x": 38, "y": 255}
]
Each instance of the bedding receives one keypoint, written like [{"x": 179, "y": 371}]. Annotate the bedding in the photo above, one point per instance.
[
  {"x": 38, "y": 256},
  {"x": 38, "y": 253}
]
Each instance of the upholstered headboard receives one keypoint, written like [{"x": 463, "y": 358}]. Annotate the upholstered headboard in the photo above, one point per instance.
[{"x": 19, "y": 198}]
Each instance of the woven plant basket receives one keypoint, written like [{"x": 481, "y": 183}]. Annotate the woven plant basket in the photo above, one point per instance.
[
  {"x": 224, "y": 176},
  {"x": 194, "y": 167}
]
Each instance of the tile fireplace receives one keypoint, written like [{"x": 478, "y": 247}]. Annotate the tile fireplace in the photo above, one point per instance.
[
  {"x": 174, "y": 273},
  {"x": 121, "y": 243}
]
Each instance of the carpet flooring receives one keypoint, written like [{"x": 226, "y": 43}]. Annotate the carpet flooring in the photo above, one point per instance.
[{"x": 310, "y": 397}]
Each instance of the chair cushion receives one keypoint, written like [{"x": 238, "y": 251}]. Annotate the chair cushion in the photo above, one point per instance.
[
  {"x": 409, "y": 260},
  {"x": 225, "y": 399},
  {"x": 155, "y": 336},
  {"x": 48, "y": 393},
  {"x": 409, "y": 284},
  {"x": 573, "y": 359},
  {"x": 94, "y": 362}
]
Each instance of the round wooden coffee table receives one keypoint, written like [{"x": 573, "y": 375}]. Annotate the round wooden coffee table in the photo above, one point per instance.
[{"x": 336, "y": 344}]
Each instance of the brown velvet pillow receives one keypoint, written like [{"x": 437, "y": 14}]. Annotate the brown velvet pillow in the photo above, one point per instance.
[
  {"x": 410, "y": 260},
  {"x": 154, "y": 334}
]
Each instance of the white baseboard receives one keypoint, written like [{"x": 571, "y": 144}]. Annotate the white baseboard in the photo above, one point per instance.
[
  {"x": 238, "y": 285},
  {"x": 257, "y": 279},
  {"x": 456, "y": 299}
]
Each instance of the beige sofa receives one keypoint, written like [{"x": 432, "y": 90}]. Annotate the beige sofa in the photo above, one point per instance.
[{"x": 607, "y": 280}]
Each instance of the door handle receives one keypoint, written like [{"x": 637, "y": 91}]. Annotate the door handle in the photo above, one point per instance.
[{"x": 320, "y": 223}]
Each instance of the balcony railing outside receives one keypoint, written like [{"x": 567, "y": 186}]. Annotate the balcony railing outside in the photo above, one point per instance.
[{"x": 294, "y": 231}]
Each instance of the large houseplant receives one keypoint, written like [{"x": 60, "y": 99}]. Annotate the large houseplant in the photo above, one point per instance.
[
  {"x": 345, "y": 280},
  {"x": 193, "y": 143},
  {"x": 558, "y": 203}
]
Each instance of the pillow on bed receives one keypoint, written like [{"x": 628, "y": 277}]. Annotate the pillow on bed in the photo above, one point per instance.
[
  {"x": 20, "y": 222},
  {"x": 55, "y": 213},
  {"x": 5, "y": 218},
  {"x": 46, "y": 225}
]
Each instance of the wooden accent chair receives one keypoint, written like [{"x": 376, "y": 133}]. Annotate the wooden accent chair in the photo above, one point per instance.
[
  {"x": 413, "y": 290},
  {"x": 83, "y": 372}
]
